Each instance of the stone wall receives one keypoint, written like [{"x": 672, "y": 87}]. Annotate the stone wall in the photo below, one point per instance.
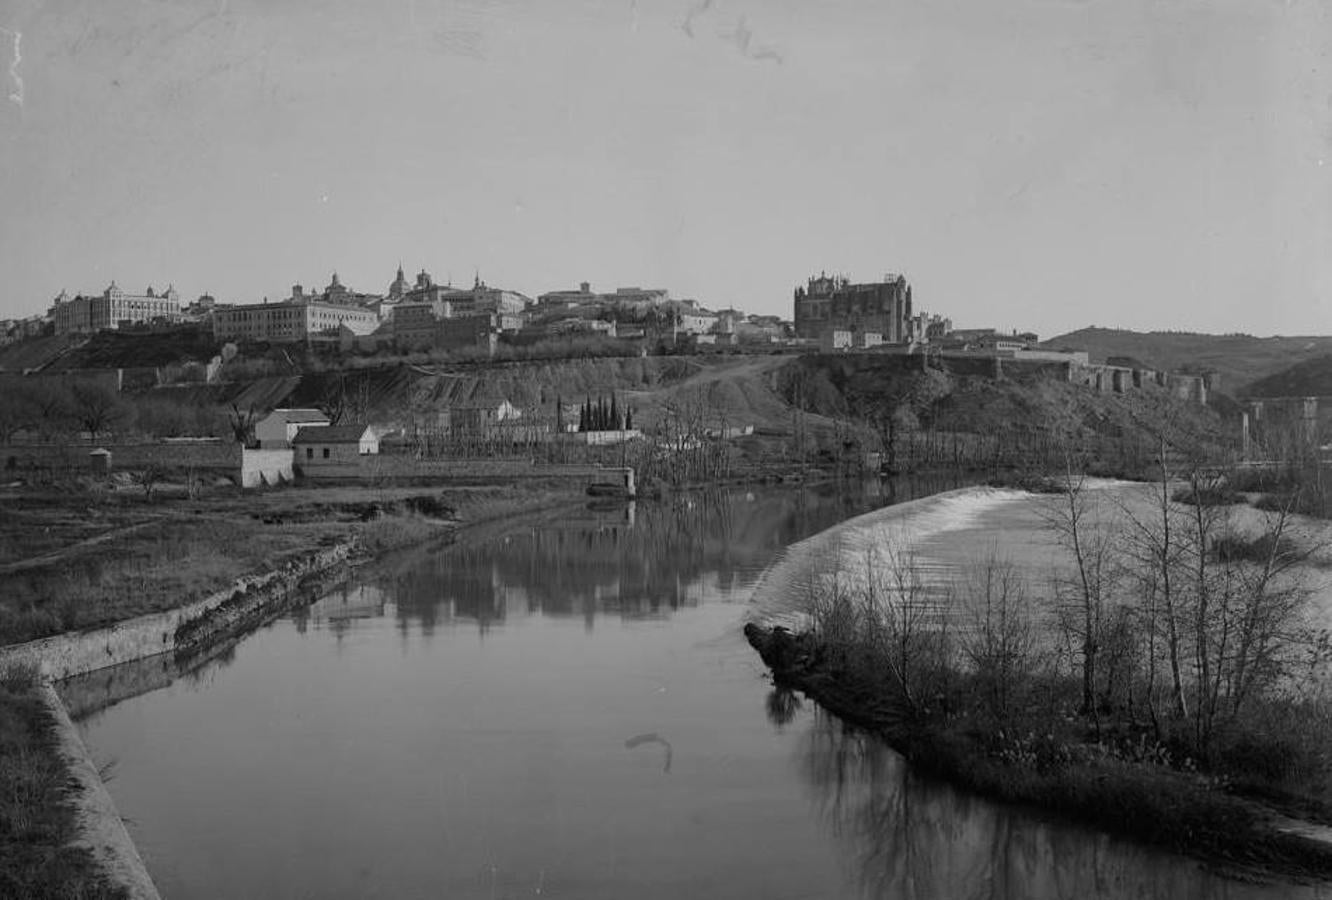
[
  {"x": 64, "y": 655},
  {"x": 100, "y": 827},
  {"x": 223, "y": 457}
]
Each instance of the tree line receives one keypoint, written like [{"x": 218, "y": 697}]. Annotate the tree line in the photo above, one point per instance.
[{"x": 50, "y": 409}]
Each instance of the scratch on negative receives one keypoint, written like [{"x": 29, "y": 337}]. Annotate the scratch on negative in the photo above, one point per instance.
[{"x": 17, "y": 93}]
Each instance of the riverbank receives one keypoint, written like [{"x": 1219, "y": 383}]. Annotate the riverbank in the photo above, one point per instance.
[
  {"x": 219, "y": 566},
  {"x": 1142, "y": 799}
]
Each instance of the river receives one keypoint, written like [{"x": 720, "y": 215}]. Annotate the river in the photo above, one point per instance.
[{"x": 566, "y": 707}]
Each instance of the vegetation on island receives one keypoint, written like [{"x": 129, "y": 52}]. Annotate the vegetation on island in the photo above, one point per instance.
[{"x": 1167, "y": 682}]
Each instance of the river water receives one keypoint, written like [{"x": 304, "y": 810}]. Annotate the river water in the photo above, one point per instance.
[{"x": 566, "y": 707}]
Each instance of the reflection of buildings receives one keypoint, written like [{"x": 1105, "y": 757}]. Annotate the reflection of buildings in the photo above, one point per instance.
[
  {"x": 622, "y": 560},
  {"x": 338, "y": 610}
]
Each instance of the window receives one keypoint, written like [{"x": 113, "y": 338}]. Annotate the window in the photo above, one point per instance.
[
  {"x": 325, "y": 453},
  {"x": 309, "y": 452}
]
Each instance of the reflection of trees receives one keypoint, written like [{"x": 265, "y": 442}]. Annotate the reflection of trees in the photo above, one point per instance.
[
  {"x": 604, "y": 561},
  {"x": 783, "y": 704},
  {"x": 912, "y": 837}
]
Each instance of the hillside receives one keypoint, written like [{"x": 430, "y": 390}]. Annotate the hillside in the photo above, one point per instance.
[
  {"x": 129, "y": 350},
  {"x": 36, "y": 353},
  {"x": 1310, "y": 378},
  {"x": 1239, "y": 359}
]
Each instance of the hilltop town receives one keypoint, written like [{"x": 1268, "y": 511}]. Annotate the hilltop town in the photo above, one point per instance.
[
  {"x": 830, "y": 314},
  {"x": 123, "y": 371}
]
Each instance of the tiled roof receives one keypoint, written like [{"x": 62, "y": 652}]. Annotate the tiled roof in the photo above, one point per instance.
[{"x": 330, "y": 434}]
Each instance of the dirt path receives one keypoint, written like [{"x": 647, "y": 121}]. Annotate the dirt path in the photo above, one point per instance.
[{"x": 45, "y": 559}]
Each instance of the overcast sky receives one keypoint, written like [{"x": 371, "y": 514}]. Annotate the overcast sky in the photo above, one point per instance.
[{"x": 1032, "y": 164}]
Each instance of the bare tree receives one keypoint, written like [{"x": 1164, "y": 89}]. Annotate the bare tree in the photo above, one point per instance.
[
  {"x": 997, "y": 636},
  {"x": 148, "y": 478},
  {"x": 97, "y": 407},
  {"x": 242, "y": 424},
  {"x": 1079, "y": 525}
]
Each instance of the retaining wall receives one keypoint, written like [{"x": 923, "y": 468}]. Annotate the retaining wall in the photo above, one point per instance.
[
  {"x": 222, "y": 456},
  {"x": 100, "y": 827},
  {"x": 63, "y": 655}
]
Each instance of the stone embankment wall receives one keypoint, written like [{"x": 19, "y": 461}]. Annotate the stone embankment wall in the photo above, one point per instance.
[
  {"x": 64, "y": 655},
  {"x": 101, "y": 829},
  {"x": 191, "y": 628},
  {"x": 404, "y": 467}
]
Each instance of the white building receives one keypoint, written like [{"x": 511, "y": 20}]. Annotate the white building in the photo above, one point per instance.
[{"x": 278, "y": 428}]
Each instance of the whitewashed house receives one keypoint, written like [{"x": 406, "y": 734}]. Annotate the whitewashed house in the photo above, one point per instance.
[{"x": 333, "y": 445}]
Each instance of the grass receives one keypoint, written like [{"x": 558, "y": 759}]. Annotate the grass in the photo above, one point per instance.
[
  {"x": 36, "y": 822},
  {"x": 161, "y": 566}
]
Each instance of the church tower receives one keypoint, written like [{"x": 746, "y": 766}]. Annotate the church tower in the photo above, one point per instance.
[{"x": 399, "y": 287}]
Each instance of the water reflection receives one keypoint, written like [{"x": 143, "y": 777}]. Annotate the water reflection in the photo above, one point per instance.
[
  {"x": 628, "y": 561},
  {"x": 782, "y": 704},
  {"x": 913, "y": 837}
]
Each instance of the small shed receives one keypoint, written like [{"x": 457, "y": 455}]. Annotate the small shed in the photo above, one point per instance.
[{"x": 99, "y": 461}]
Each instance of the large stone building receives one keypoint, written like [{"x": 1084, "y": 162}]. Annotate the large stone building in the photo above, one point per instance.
[
  {"x": 834, "y": 303},
  {"x": 288, "y": 322},
  {"x": 509, "y": 307},
  {"x": 335, "y": 294},
  {"x": 113, "y": 309}
]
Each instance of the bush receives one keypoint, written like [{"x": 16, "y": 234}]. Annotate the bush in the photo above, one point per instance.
[
  {"x": 1233, "y": 548},
  {"x": 1208, "y": 495}
]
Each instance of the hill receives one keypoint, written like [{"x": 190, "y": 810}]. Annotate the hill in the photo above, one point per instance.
[
  {"x": 1239, "y": 359},
  {"x": 130, "y": 350},
  {"x": 1310, "y": 378},
  {"x": 36, "y": 353}
]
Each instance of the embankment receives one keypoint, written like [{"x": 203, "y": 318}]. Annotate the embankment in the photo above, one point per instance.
[
  {"x": 63, "y": 655},
  {"x": 191, "y": 629}
]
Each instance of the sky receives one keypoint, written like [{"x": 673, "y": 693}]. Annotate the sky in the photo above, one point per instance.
[{"x": 1027, "y": 164}]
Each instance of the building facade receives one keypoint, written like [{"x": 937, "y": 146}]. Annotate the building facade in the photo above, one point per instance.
[
  {"x": 834, "y": 303},
  {"x": 113, "y": 309},
  {"x": 287, "y": 322}
]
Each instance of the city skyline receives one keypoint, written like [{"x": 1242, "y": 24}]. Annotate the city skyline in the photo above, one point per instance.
[{"x": 1042, "y": 166}]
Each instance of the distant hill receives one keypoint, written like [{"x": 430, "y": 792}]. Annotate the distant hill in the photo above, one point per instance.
[
  {"x": 1239, "y": 359},
  {"x": 1310, "y": 378}
]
